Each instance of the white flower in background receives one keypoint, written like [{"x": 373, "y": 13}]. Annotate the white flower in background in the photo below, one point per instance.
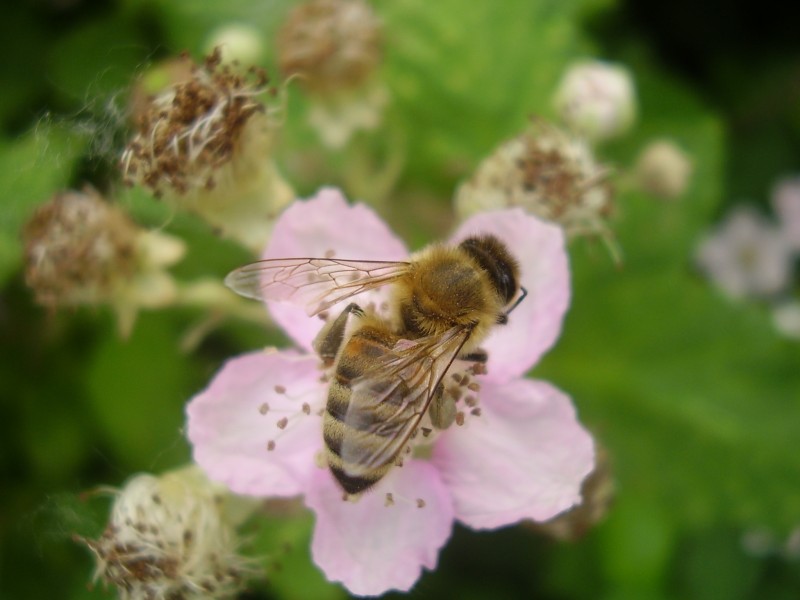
[
  {"x": 663, "y": 170},
  {"x": 81, "y": 250},
  {"x": 204, "y": 144},
  {"x": 786, "y": 204},
  {"x": 786, "y": 318},
  {"x": 334, "y": 47},
  {"x": 596, "y": 99},
  {"x": 549, "y": 174},
  {"x": 746, "y": 256},
  {"x": 169, "y": 537}
]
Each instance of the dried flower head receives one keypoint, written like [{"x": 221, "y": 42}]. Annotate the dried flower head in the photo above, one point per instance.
[
  {"x": 79, "y": 249},
  {"x": 193, "y": 128},
  {"x": 331, "y": 44},
  {"x": 168, "y": 538},
  {"x": 548, "y": 173},
  {"x": 205, "y": 144},
  {"x": 663, "y": 170}
]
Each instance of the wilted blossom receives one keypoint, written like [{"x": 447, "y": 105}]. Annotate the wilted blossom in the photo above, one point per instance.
[
  {"x": 168, "y": 537},
  {"x": 515, "y": 451},
  {"x": 205, "y": 145},
  {"x": 663, "y": 170},
  {"x": 334, "y": 47},
  {"x": 596, "y": 99},
  {"x": 746, "y": 256},
  {"x": 82, "y": 250},
  {"x": 786, "y": 204},
  {"x": 548, "y": 173}
]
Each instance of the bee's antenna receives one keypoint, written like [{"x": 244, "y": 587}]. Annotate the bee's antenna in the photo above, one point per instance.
[
  {"x": 503, "y": 319},
  {"x": 523, "y": 293}
]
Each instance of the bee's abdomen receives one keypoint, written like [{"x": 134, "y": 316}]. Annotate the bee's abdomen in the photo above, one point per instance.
[{"x": 354, "y": 432}]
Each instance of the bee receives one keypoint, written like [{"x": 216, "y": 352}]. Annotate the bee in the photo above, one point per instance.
[{"x": 388, "y": 369}]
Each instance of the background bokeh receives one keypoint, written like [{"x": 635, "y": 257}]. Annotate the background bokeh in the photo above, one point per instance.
[{"x": 696, "y": 398}]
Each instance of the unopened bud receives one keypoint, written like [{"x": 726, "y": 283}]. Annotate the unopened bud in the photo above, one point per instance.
[
  {"x": 168, "y": 537},
  {"x": 786, "y": 204},
  {"x": 786, "y": 318},
  {"x": 596, "y": 99},
  {"x": 663, "y": 170},
  {"x": 238, "y": 43}
]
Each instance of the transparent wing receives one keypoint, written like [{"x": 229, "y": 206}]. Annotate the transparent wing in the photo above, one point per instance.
[
  {"x": 316, "y": 283},
  {"x": 398, "y": 391}
]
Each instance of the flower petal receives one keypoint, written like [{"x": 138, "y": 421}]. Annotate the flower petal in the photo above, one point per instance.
[
  {"x": 232, "y": 422},
  {"x": 536, "y": 323},
  {"x": 371, "y": 547},
  {"x": 524, "y": 457},
  {"x": 316, "y": 227}
]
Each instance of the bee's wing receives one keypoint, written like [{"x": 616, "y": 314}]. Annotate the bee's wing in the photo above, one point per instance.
[
  {"x": 316, "y": 283},
  {"x": 391, "y": 399}
]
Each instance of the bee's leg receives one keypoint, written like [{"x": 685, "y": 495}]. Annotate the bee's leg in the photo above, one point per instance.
[
  {"x": 442, "y": 411},
  {"x": 477, "y": 356},
  {"x": 331, "y": 336}
]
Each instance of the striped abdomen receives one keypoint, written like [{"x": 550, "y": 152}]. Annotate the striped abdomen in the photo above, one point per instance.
[{"x": 354, "y": 433}]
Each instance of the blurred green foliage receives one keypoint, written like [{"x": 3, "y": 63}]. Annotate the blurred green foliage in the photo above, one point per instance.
[{"x": 696, "y": 398}]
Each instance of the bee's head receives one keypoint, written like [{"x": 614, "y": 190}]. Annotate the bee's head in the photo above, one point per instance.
[{"x": 500, "y": 266}]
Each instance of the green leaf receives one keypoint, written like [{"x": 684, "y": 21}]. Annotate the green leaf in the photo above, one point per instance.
[
  {"x": 464, "y": 79},
  {"x": 285, "y": 542},
  {"x": 189, "y": 24},
  {"x": 137, "y": 390},
  {"x": 97, "y": 60}
]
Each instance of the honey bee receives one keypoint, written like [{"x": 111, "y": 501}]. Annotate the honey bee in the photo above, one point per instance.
[{"x": 388, "y": 369}]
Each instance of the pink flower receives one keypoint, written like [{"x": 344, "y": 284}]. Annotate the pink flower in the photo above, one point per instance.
[{"x": 522, "y": 455}]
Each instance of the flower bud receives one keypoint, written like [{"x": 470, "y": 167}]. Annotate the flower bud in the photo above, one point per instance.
[
  {"x": 238, "y": 43},
  {"x": 548, "y": 173},
  {"x": 334, "y": 47},
  {"x": 79, "y": 249},
  {"x": 663, "y": 170},
  {"x": 786, "y": 204},
  {"x": 596, "y": 99},
  {"x": 205, "y": 145},
  {"x": 168, "y": 537},
  {"x": 786, "y": 319}
]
